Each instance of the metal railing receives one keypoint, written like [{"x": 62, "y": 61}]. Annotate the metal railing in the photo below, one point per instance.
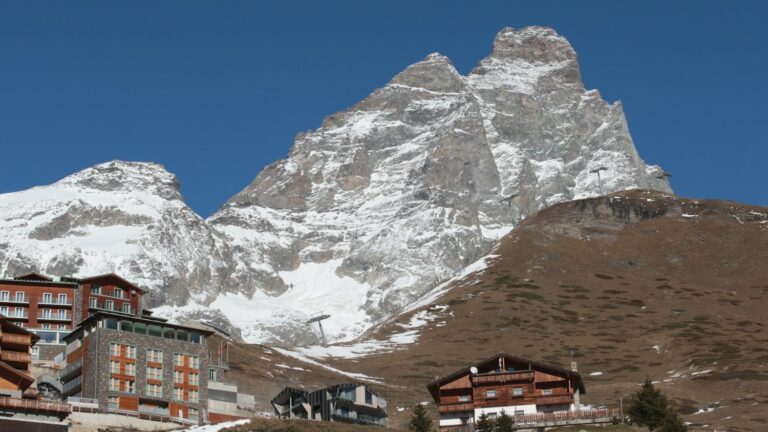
[
  {"x": 71, "y": 370},
  {"x": 54, "y": 317},
  {"x": 54, "y": 302},
  {"x": 81, "y": 401},
  {"x": 72, "y": 386},
  {"x": 135, "y": 414},
  {"x": 23, "y": 314},
  {"x": 16, "y": 300}
]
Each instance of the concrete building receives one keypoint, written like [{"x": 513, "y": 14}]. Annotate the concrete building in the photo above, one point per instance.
[
  {"x": 142, "y": 366},
  {"x": 349, "y": 403}
]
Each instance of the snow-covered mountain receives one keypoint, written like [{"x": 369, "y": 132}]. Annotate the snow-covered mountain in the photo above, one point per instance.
[{"x": 365, "y": 215}]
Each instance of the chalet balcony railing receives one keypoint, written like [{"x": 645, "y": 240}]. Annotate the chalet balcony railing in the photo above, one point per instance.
[
  {"x": 459, "y": 407},
  {"x": 34, "y": 405},
  {"x": 499, "y": 377},
  {"x": 16, "y": 339},
  {"x": 554, "y": 400},
  {"x": 566, "y": 416},
  {"x": 14, "y": 356}
]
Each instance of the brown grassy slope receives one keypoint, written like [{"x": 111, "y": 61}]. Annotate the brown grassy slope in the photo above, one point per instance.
[{"x": 612, "y": 278}]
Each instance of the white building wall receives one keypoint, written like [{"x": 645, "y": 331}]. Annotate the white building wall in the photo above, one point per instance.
[
  {"x": 455, "y": 419},
  {"x": 510, "y": 410}
]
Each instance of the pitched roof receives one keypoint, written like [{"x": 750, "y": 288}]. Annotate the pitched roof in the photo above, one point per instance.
[
  {"x": 24, "y": 379},
  {"x": 34, "y": 276},
  {"x": 112, "y": 277},
  {"x": 10, "y": 327},
  {"x": 434, "y": 385}
]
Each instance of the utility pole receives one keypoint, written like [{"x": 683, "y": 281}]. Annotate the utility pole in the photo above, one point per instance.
[{"x": 599, "y": 179}]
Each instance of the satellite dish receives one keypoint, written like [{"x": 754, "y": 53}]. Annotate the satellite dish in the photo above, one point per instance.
[{"x": 473, "y": 370}]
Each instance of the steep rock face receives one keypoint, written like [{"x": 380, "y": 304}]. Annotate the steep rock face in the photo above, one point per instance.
[
  {"x": 421, "y": 178},
  {"x": 367, "y": 213}
]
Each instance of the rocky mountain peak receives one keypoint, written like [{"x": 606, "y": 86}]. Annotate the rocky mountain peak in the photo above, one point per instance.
[
  {"x": 125, "y": 176},
  {"x": 434, "y": 73}
]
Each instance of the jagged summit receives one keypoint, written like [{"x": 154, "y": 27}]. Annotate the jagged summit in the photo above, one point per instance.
[
  {"x": 120, "y": 175},
  {"x": 368, "y": 212}
]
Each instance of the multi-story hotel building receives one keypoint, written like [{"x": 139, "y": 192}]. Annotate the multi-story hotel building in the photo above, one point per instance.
[
  {"x": 137, "y": 364},
  {"x": 51, "y": 308}
]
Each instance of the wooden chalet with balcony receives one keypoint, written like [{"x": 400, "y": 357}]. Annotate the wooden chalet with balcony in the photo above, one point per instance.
[{"x": 529, "y": 391}]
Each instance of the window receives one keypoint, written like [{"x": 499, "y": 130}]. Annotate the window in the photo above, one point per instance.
[
  {"x": 4, "y": 310},
  {"x": 126, "y": 308},
  {"x": 62, "y": 299},
  {"x": 5, "y": 295},
  {"x": 130, "y": 369},
  {"x": 61, "y": 326},
  {"x": 519, "y": 412},
  {"x": 111, "y": 323},
  {"x": 178, "y": 377},
  {"x": 193, "y": 396},
  {"x": 194, "y": 337},
  {"x": 126, "y": 326},
  {"x": 35, "y": 353},
  {"x": 130, "y": 386},
  {"x": 20, "y": 296},
  {"x": 182, "y": 335},
  {"x": 118, "y": 293},
  {"x": 193, "y": 415},
  {"x": 194, "y": 362},
  {"x": 155, "y": 356},
  {"x": 113, "y": 402},
  {"x": 517, "y": 391},
  {"x": 168, "y": 333},
  {"x": 212, "y": 375},
  {"x": 96, "y": 288},
  {"x": 46, "y": 326},
  {"x": 178, "y": 393},
  {"x": 114, "y": 366},
  {"x": 47, "y": 298},
  {"x": 140, "y": 328},
  {"x": 109, "y": 304},
  {"x": 178, "y": 359},
  {"x": 547, "y": 392},
  {"x": 130, "y": 351},
  {"x": 154, "y": 373},
  {"x": 114, "y": 384},
  {"x": 155, "y": 390},
  {"x": 62, "y": 314},
  {"x": 465, "y": 398},
  {"x": 368, "y": 396},
  {"x": 194, "y": 379},
  {"x": 490, "y": 394},
  {"x": 154, "y": 330},
  {"x": 92, "y": 302},
  {"x": 46, "y": 313},
  {"x": 114, "y": 349}
]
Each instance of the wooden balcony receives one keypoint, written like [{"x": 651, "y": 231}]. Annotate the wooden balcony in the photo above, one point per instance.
[
  {"x": 554, "y": 400},
  {"x": 502, "y": 377},
  {"x": 13, "y": 356},
  {"x": 16, "y": 339},
  {"x": 35, "y": 406},
  {"x": 459, "y": 407}
]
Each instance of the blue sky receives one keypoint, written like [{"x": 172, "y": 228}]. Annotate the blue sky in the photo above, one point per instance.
[{"x": 215, "y": 90}]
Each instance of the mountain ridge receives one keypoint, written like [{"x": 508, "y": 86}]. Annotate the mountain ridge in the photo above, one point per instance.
[{"x": 373, "y": 209}]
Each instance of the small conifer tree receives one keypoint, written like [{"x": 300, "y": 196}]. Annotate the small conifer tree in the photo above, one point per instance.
[
  {"x": 650, "y": 408},
  {"x": 504, "y": 422},
  {"x": 484, "y": 424},
  {"x": 420, "y": 420}
]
